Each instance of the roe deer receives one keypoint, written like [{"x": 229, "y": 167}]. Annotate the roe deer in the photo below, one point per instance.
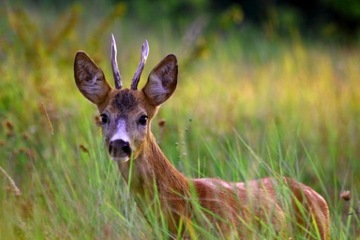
[{"x": 224, "y": 208}]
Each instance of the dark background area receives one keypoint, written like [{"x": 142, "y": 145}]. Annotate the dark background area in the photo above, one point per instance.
[{"x": 334, "y": 19}]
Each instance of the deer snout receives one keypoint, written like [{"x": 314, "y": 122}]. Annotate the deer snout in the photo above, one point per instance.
[{"x": 119, "y": 150}]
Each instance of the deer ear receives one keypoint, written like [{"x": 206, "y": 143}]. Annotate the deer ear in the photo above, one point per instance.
[
  {"x": 90, "y": 79},
  {"x": 162, "y": 81}
]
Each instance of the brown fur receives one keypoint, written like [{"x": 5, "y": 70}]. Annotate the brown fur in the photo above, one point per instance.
[
  {"x": 125, "y": 101},
  {"x": 227, "y": 209}
]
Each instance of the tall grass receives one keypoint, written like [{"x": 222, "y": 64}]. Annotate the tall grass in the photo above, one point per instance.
[{"x": 246, "y": 107}]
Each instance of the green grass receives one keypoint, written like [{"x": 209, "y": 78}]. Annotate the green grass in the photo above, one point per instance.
[{"x": 247, "y": 106}]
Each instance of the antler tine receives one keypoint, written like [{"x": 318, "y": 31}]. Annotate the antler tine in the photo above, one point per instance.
[
  {"x": 114, "y": 64},
  {"x": 140, "y": 68}
]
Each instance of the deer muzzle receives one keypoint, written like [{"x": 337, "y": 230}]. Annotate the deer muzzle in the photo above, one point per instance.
[{"x": 120, "y": 150}]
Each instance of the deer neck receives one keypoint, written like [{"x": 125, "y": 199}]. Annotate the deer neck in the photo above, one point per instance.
[{"x": 151, "y": 171}]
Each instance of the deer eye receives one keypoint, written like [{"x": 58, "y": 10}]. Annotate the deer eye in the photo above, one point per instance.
[
  {"x": 143, "y": 120},
  {"x": 104, "y": 119}
]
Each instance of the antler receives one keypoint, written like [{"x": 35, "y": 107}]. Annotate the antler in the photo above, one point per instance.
[
  {"x": 143, "y": 57},
  {"x": 114, "y": 64}
]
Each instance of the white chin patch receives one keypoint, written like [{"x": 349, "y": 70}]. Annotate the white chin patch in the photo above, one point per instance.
[{"x": 120, "y": 159}]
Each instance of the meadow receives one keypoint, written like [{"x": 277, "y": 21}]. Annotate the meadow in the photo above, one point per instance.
[{"x": 249, "y": 104}]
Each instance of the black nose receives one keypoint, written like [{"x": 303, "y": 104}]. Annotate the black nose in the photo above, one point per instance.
[{"x": 119, "y": 148}]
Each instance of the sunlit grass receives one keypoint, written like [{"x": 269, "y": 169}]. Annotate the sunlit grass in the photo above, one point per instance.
[{"x": 245, "y": 108}]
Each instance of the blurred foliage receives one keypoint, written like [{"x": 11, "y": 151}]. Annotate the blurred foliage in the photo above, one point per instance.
[
  {"x": 348, "y": 8},
  {"x": 334, "y": 19}
]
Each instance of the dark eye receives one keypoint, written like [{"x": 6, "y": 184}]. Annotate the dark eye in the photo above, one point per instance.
[
  {"x": 104, "y": 119},
  {"x": 143, "y": 120}
]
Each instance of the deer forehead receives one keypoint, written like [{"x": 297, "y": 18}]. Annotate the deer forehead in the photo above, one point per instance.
[{"x": 125, "y": 101}]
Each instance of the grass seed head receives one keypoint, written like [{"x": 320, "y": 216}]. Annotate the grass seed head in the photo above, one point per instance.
[{"x": 345, "y": 195}]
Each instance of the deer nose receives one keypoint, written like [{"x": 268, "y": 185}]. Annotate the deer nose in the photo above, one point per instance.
[{"x": 119, "y": 148}]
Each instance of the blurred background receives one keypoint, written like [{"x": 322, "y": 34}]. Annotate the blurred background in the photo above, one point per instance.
[
  {"x": 266, "y": 88},
  {"x": 335, "y": 19}
]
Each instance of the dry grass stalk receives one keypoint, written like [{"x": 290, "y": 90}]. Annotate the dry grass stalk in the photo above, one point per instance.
[
  {"x": 47, "y": 119},
  {"x": 13, "y": 186}
]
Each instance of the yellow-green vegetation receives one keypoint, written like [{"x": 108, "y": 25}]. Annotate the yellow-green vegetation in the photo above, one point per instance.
[{"x": 248, "y": 105}]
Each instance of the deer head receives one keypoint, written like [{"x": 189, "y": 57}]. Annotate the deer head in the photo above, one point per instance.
[{"x": 125, "y": 114}]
